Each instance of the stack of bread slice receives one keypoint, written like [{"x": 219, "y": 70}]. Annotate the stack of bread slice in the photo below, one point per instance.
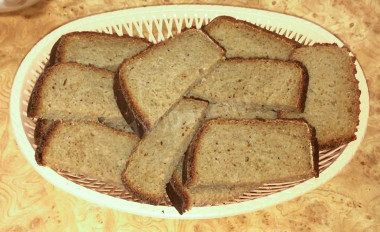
[{"x": 198, "y": 119}]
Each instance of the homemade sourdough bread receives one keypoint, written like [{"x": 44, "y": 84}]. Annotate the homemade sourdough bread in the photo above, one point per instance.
[
  {"x": 332, "y": 106},
  {"x": 156, "y": 79},
  {"x": 243, "y": 39},
  {"x": 152, "y": 163},
  {"x": 43, "y": 125},
  {"x": 87, "y": 148},
  {"x": 71, "y": 91},
  {"x": 272, "y": 84},
  {"x": 98, "y": 49},
  {"x": 183, "y": 198},
  {"x": 231, "y": 111},
  {"x": 244, "y": 152}
]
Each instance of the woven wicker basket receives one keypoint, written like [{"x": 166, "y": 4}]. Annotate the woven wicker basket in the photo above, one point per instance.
[{"x": 157, "y": 24}]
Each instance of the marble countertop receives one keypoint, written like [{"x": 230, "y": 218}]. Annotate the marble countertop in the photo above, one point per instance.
[{"x": 348, "y": 202}]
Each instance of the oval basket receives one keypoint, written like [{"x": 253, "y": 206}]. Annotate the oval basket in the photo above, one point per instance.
[{"x": 156, "y": 24}]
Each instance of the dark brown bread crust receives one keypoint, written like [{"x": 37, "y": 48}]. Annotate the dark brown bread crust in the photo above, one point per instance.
[
  {"x": 283, "y": 38},
  {"x": 303, "y": 87},
  {"x": 44, "y": 143},
  {"x": 190, "y": 172},
  {"x": 125, "y": 108},
  {"x": 40, "y": 130},
  {"x": 178, "y": 196}
]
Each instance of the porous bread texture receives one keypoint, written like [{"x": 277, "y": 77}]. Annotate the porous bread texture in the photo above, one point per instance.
[
  {"x": 245, "y": 40},
  {"x": 98, "y": 49},
  {"x": 232, "y": 111},
  {"x": 271, "y": 84},
  {"x": 87, "y": 148},
  {"x": 156, "y": 79},
  {"x": 243, "y": 152},
  {"x": 332, "y": 106},
  {"x": 152, "y": 163},
  {"x": 71, "y": 91},
  {"x": 43, "y": 126},
  {"x": 183, "y": 198}
]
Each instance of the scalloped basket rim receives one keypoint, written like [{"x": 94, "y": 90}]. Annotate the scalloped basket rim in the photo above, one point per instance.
[{"x": 130, "y": 21}]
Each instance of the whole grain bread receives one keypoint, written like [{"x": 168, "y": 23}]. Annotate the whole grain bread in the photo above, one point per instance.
[
  {"x": 156, "y": 79},
  {"x": 272, "y": 84},
  {"x": 332, "y": 106},
  {"x": 152, "y": 163},
  {"x": 98, "y": 49},
  {"x": 43, "y": 126},
  {"x": 87, "y": 148},
  {"x": 184, "y": 198},
  {"x": 246, "y": 40},
  {"x": 244, "y": 152},
  {"x": 71, "y": 91},
  {"x": 232, "y": 111}
]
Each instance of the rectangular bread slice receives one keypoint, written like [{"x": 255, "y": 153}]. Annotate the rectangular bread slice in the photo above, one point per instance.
[
  {"x": 71, "y": 91},
  {"x": 156, "y": 79},
  {"x": 243, "y": 152},
  {"x": 98, "y": 49},
  {"x": 231, "y": 111},
  {"x": 87, "y": 148},
  {"x": 183, "y": 198},
  {"x": 272, "y": 84},
  {"x": 43, "y": 126},
  {"x": 152, "y": 163},
  {"x": 246, "y": 40},
  {"x": 332, "y": 106}
]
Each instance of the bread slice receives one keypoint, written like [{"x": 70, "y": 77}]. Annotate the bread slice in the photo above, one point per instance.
[
  {"x": 332, "y": 106},
  {"x": 244, "y": 152},
  {"x": 98, "y": 49},
  {"x": 231, "y": 111},
  {"x": 272, "y": 84},
  {"x": 243, "y": 39},
  {"x": 71, "y": 91},
  {"x": 156, "y": 79},
  {"x": 87, "y": 148},
  {"x": 43, "y": 126},
  {"x": 152, "y": 163},
  {"x": 183, "y": 198}
]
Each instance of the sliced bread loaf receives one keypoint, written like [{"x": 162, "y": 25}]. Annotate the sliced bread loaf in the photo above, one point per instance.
[
  {"x": 244, "y": 152},
  {"x": 152, "y": 163},
  {"x": 231, "y": 111},
  {"x": 243, "y": 39},
  {"x": 272, "y": 84},
  {"x": 332, "y": 106},
  {"x": 98, "y": 49},
  {"x": 43, "y": 126},
  {"x": 71, "y": 91},
  {"x": 156, "y": 79},
  {"x": 183, "y": 198},
  {"x": 87, "y": 148}
]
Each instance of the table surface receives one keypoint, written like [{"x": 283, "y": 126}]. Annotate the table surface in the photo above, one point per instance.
[{"x": 348, "y": 202}]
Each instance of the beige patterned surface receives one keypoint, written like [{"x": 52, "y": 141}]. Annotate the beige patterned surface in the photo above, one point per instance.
[{"x": 349, "y": 202}]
